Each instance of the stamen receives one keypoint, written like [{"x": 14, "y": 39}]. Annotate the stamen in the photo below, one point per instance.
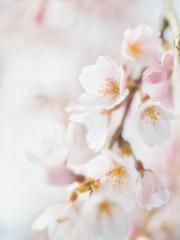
[
  {"x": 134, "y": 48},
  {"x": 111, "y": 87},
  {"x": 151, "y": 113},
  {"x": 118, "y": 173}
]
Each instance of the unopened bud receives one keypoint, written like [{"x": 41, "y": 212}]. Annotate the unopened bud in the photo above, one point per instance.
[
  {"x": 144, "y": 97},
  {"x": 125, "y": 147},
  {"x": 80, "y": 178},
  {"x": 73, "y": 196},
  {"x": 139, "y": 166}
]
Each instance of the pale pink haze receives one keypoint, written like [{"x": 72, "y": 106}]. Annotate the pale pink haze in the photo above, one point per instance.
[
  {"x": 151, "y": 191},
  {"x": 142, "y": 45},
  {"x": 39, "y": 16},
  {"x": 152, "y": 123},
  {"x": 103, "y": 83}
]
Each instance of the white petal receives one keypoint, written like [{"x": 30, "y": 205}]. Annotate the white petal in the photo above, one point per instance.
[
  {"x": 108, "y": 153},
  {"x": 97, "y": 134},
  {"x": 97, "y": 167},
  {"x": 162, "y": 126},
  {"x": 90, "y": 79}
]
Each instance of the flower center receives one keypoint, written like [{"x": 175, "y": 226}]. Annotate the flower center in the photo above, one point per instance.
[
  {"x": 150, "y": 113},
  {"x": 111, "y": 87},
  {"x": 117, "y": 173},
  {"x": 105, "y": 207},
  {"x": 134, "y": 49}
]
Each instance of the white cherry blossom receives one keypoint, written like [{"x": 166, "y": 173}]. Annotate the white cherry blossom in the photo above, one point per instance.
[
  {"x": 142, "y": 45},
  {"x": 62, "y": 221},
  {"x": 111, "y": 170},
  {"x": 53, "y": 152},
  {"x": 152, "y": 122},
  {"x": 103, "y": 83},
  {"x": 105, "y": 217},
  {"x": 151, "y": 191},
  {"x": 97, "y": 122}
]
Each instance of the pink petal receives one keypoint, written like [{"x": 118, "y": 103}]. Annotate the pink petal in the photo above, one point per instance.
[
  {"x": 60, "y": 175},
  {"x": 154, "y": 75},
  {"x": 167, "y": 61}
]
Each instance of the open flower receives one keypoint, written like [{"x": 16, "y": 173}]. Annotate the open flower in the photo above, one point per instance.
[
  {"x": 110, "y": 169},
  {"x": 105, "y": 217},
  {"x": 142, "y": 45},
  {"x": 97, "y": 122},
  {"x": 152, "y": 122},
  {"x": 151, "y": 191},
  {"x": 103, "y": 83},
  {"x": 52, "y": 153},
  {"x": 62, "y": 221}
]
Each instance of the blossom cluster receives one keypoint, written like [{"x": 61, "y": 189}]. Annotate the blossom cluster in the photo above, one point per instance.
[{"x": 102, "y": 190}]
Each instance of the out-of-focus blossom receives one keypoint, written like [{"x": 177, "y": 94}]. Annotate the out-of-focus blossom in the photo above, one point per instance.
[
  {"x": 54, "y": 144},
  {"x": 62, "y": 221},
  {"x": 96, "y": 120},
  {"x": 105, "y": 217},
  {"x": 151, "y": 191},
  {"x": 167, "y": 61},
  {"x": 103, "y": 83},
  {"x": 142, "y": 45},
  {"x": 154, "y": 74},
  {"x": 152, "y": 122},
  {"x": 53, "y": 153}
]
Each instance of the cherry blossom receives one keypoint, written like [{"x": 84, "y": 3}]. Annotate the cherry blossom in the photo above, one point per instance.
[
  {"x": 167, "y": 61},
  {"x": 152, "y": 122},
  {"x": 105, "y": 217},
  {"x": 108, "y": 167},
  {"x": 151, "y": 191},
  {"x": 154, "y": 74},
  {"x": 103, "y": 83},
  {"x": 62, "y": 221},
  {"x": 142, "y": 45},
  {"x": 53, "y": 153},
  {"x": 97, "y": 122}
]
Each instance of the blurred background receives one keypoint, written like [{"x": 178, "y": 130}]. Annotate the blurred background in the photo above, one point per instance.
[{"x": 43, "y": 46}]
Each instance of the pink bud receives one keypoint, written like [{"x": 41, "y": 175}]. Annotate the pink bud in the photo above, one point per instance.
[
  {"x": 151, "y": 191},
  {"x": 167, "y": 61},
  {"x": 154, "y": 75},
  {"x": 60, "y": 175}
]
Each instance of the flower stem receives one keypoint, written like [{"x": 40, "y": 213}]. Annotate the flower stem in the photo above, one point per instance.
[{"x": 119, "y": 129}]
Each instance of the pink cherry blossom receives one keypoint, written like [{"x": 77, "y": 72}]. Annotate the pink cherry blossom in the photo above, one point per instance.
[
  {"x": 142, "y": 45},
  {"x": 167, "y": 61},
  {"x": 151, "y": 191},
  {"x": 103, "y": 83},
  {"x": 154, "y": 74}
]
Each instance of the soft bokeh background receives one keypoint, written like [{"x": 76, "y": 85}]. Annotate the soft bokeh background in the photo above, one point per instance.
[{"x": 40, "y": 60}]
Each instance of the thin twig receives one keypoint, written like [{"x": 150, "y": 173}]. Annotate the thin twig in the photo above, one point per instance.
[{"x": 119, "y": 129}]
